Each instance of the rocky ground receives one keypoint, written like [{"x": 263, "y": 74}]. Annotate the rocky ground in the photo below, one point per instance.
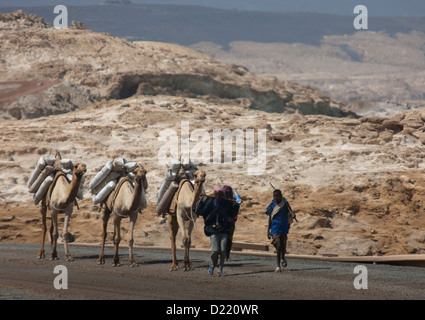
[{"x": 354, "y": 182}]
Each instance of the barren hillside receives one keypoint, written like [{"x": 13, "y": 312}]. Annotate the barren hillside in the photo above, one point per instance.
[
  {"x": 92, "y": 66},
  {"x": 364, "y": 66},
  {"x": 355, "y": 183}
]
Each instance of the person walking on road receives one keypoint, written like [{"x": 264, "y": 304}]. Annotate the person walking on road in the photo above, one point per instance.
[
  {"x": 280, "y": 217},
  {"x": 228, "y": 193},
  {"x": 217, "y": 214}
]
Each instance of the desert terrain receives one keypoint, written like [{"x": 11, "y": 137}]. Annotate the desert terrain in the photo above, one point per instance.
[
  {"x": 355, "y": 182},
  {"x": 369, "y": 66}
]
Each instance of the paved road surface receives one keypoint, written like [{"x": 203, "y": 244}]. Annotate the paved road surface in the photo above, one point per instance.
[{"x": 23, "y": 276}]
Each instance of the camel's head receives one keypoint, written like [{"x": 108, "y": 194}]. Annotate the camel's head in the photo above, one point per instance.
[
  {"x": 140, "y": 173},
  {"x": 80, "y": 169},
  {"x": 199, "y": 176}
]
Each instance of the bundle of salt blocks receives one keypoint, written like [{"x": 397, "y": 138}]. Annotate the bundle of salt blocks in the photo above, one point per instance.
[
  {"x": 107, "y": 178},
  {"x": 44, "y": 174},
  {"x": 170, "y": 184}
]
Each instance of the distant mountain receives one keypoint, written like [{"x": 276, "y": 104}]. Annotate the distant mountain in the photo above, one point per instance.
[
  {"x": 117, "y": 2},
  {"x": 376, "y": 7},
  {"x": 187, "y": 25}
]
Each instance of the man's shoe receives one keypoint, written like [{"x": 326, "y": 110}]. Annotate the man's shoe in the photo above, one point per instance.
[{"x": 211, "y": 270}]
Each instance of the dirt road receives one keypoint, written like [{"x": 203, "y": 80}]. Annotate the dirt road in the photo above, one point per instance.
[{"x": 23, "y": 276}]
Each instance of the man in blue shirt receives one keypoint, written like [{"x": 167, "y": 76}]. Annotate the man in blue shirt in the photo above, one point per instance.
[{"x": 280, "y": 217}]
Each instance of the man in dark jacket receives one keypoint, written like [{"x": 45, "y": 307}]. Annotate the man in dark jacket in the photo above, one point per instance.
[
  {"x": 217, "y": 214},
  {"x": 228, "y": 193}
]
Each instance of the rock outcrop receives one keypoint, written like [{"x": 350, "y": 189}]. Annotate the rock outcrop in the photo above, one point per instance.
[{"x": 96, "y": 66}]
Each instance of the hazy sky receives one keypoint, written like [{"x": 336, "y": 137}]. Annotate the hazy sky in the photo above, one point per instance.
[{"x": 343, "y": 7}]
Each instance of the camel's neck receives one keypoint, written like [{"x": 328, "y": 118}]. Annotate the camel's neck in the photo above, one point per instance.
[
  {"x": 72, "y": 190},
  {"x": 137, "y": 198},
  {"x": 196, "y": 192}
]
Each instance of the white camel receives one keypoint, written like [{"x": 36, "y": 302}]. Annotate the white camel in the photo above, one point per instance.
[
  {"x": 60, "y": 198},
  {"x": 124, "y": 202},
  {"x": 185, "y": 217}
]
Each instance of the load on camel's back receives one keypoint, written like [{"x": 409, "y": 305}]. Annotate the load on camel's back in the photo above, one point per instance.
[
  {"x": 176, "y": 173},
  {"x": 106, "y": 180},
  {"x": 44, "y": 174}
]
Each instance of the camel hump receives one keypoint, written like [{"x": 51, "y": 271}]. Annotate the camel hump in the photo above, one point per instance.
[
  {"x": 121, "y": 181},
  {"x": 111, "y": 177},
  {"x": 58, "y": 174},
  {"x": 183, "y": 181},
  {"x": 116, "y": 190},
  {"x": 173, "y": 206}
]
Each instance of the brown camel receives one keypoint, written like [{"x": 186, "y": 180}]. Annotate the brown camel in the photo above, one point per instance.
[
  {"x": 125, "y": 201},
  {"x": 185, "y": 217},
  {"x": 60, "y": 198}
]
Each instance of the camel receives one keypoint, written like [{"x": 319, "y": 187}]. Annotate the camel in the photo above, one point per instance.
[
  {"x": 124, "y": 202},
  {"x": 60, "y": 198},
  {"x": 185, "y": 217}
]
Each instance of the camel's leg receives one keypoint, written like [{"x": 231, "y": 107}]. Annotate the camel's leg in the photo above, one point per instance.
[
  {"x": 68, "y": 213},
  {"x": 105, "y": 218},
  {"x": 133, "y": 219},
  {"x": 173, "y": 227},
  {"x": 54, "y": 234},
  {"x": 187, "y": 241},
  {"x": 117, "y": 240},
  {"x": 51, "y": 231},
  {"x": 43, "y": 230}
]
